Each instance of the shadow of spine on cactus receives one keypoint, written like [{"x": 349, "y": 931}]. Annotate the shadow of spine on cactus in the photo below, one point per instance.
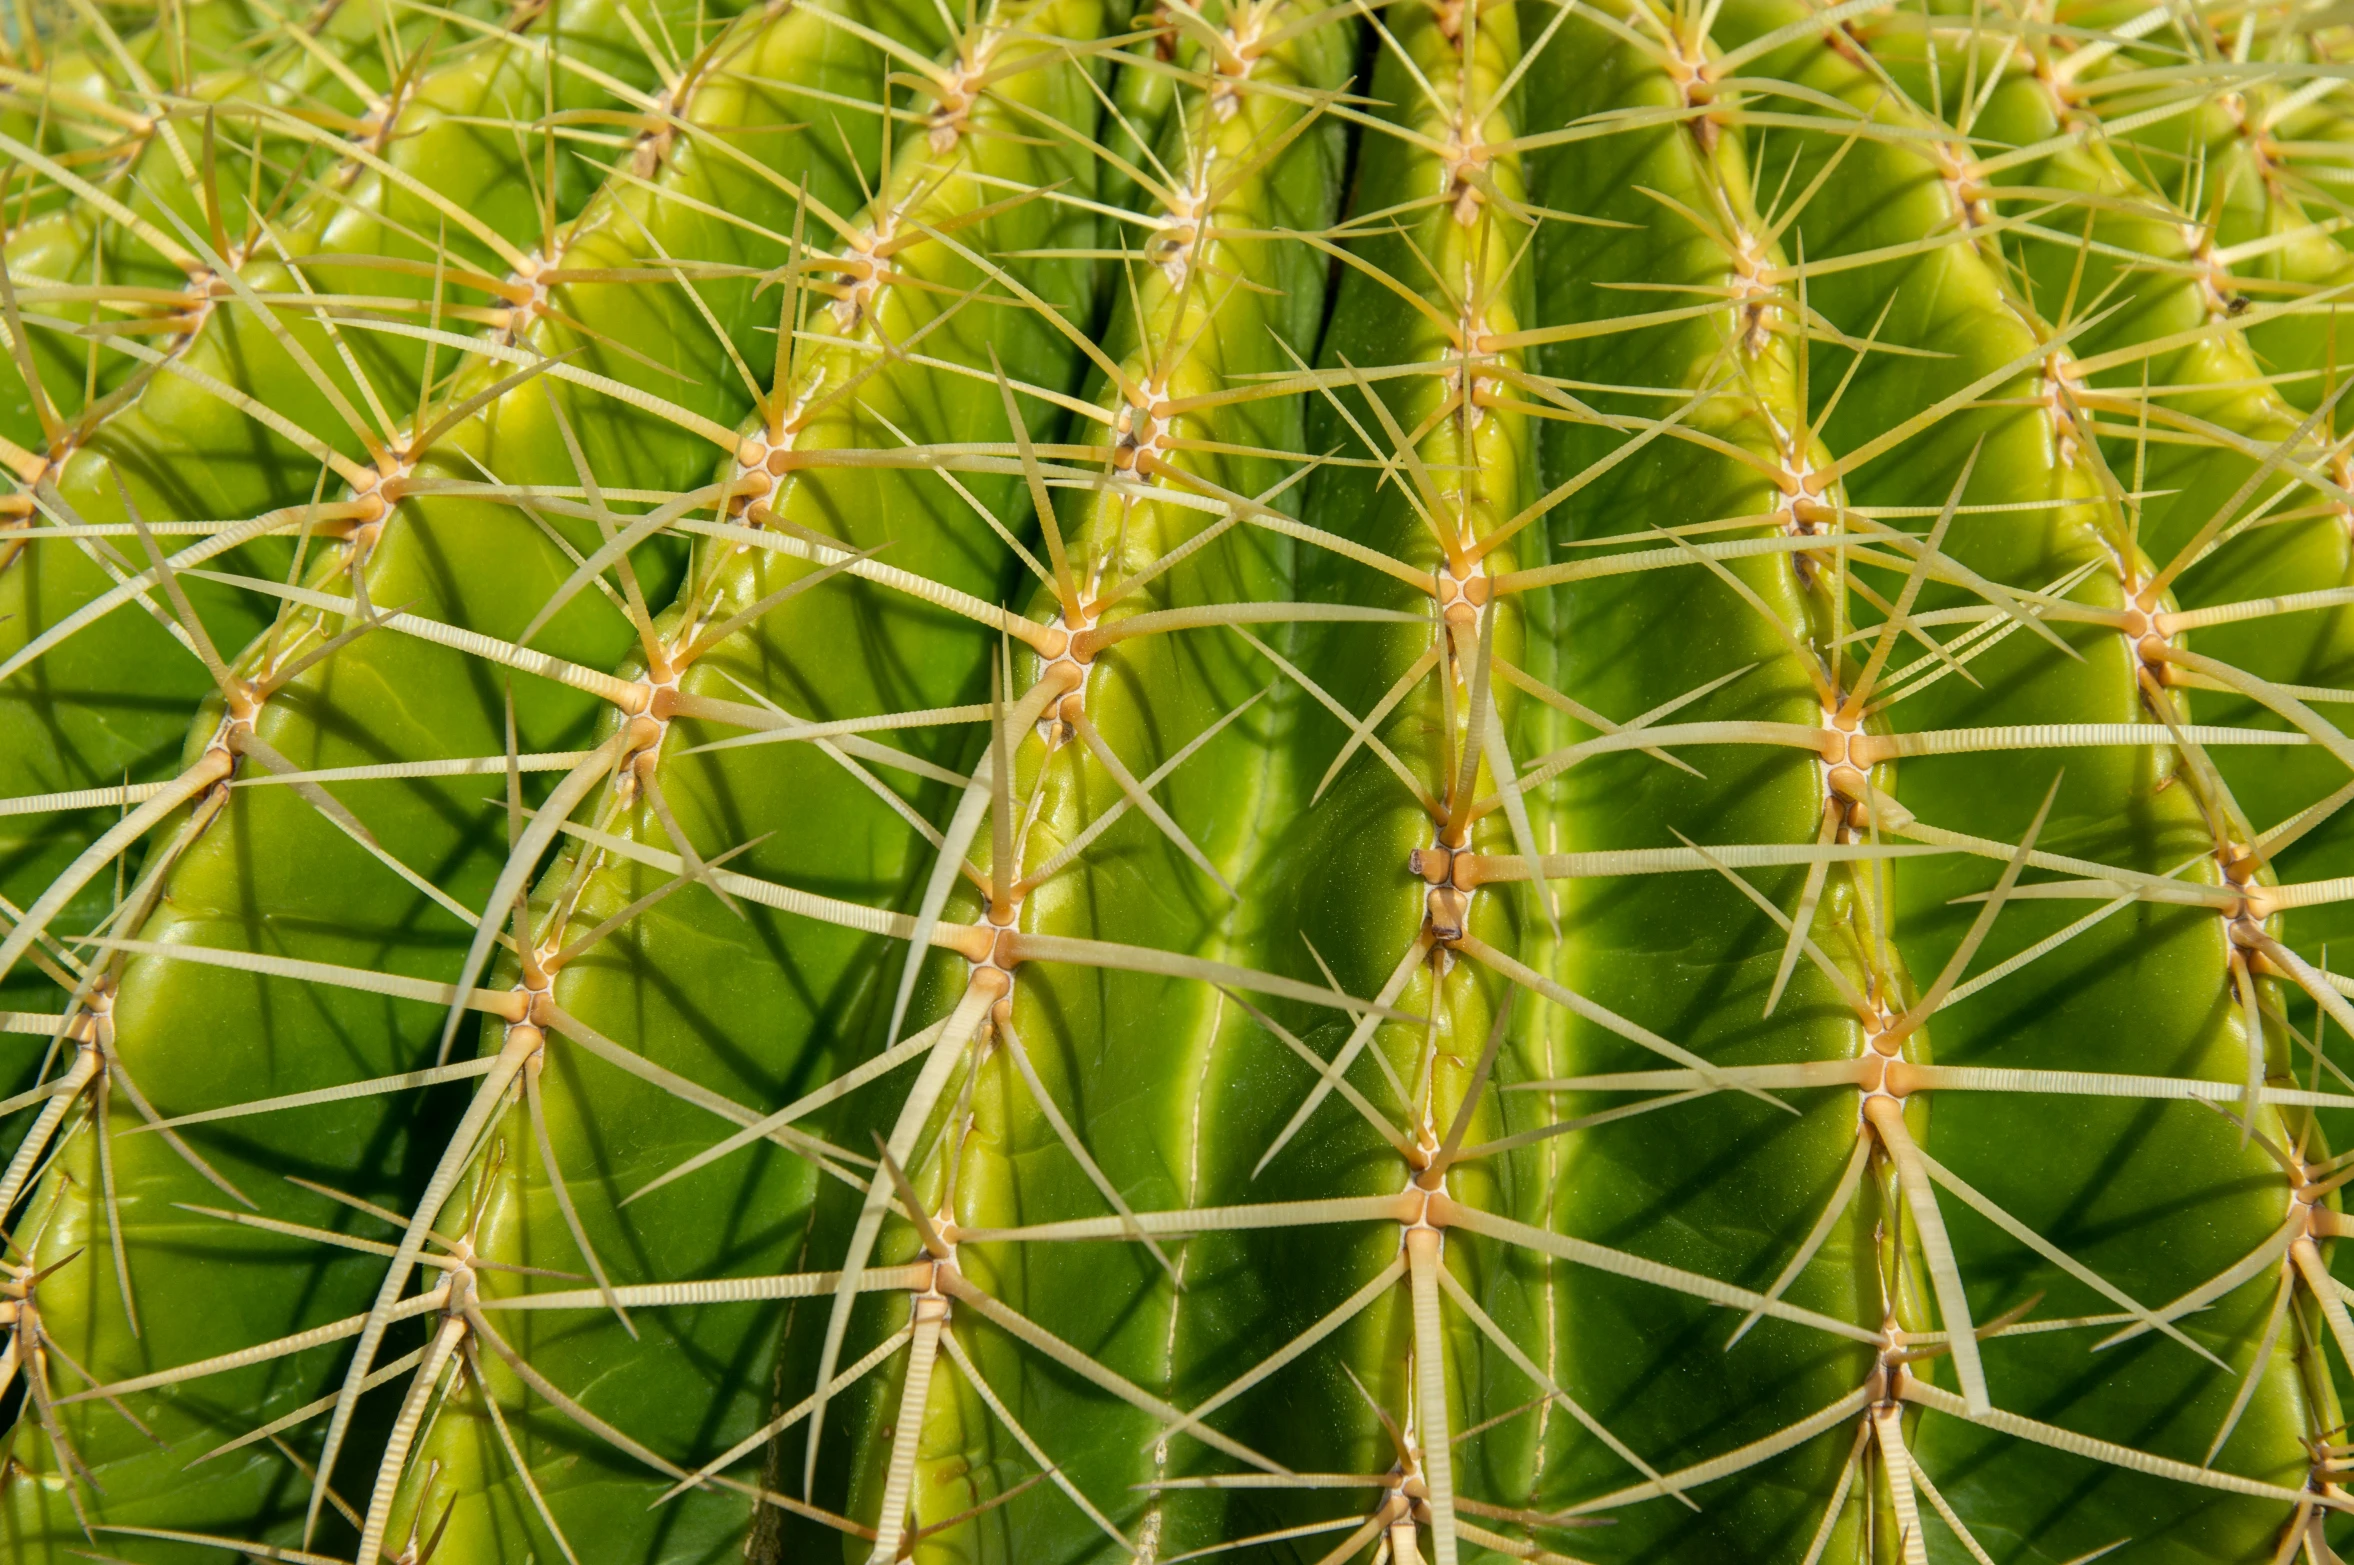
[{"x": 1294, "y": 781}]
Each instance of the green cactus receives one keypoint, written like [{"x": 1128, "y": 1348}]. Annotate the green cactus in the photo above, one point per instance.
[{"x": 1547, "y": 780}]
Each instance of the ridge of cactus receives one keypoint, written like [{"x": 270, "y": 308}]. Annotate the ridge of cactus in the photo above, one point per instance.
[{"x": 1039, "y": 781}]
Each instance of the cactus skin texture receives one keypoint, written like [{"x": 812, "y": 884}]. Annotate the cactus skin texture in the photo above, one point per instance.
[{"x": 1284, "y": 781}]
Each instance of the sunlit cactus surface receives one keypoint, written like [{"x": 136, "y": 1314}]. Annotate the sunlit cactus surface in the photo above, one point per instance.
[{"x": 1034, "y": 782}]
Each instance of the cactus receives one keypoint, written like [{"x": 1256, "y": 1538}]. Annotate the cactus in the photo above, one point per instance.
[{"x": 1057, "y": 782}]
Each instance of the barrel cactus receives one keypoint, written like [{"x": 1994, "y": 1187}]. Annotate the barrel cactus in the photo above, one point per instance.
[{"x": 1042, "y": 781}]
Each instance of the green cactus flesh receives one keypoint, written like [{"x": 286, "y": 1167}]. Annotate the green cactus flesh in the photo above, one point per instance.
[{"x": 1466, "y": 780}]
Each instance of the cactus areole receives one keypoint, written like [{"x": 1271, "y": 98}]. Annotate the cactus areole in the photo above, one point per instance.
[{"x": 1032, "y": 782}]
